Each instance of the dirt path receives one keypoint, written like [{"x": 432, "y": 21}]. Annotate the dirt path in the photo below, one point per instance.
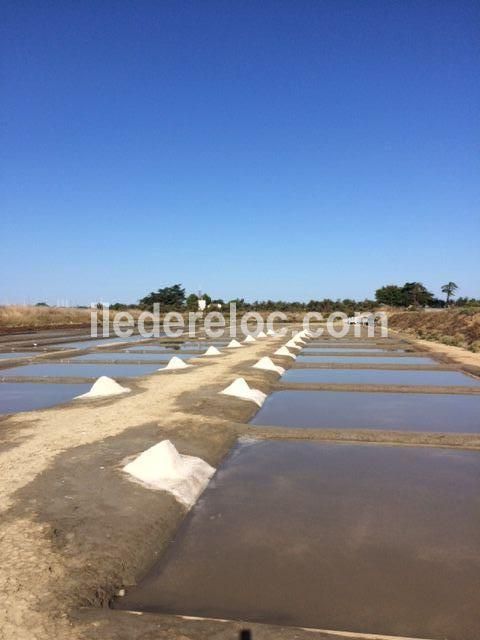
[
  {"x": 45, "y": 467},
  {"x": 458, "y": 355}
]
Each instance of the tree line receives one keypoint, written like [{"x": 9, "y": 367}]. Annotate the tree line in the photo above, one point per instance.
[
  {"x": 409, "y": 295},
  {"x": 415, "y": 294}
]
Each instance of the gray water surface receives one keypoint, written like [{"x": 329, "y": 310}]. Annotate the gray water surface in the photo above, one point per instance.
[
  {"x": 18, "y": 354},
  {"x": 79, "y": 370},
  {"x": 342, "y": 349},
  {"x": 131, "y": 356},
  {"x": 364, "y": 410},
  {"x": 325, "y": 359},
  {"x": 340, "y": 537},
  {"x": 379, "y": 376},
  {"x": 27, "y": 396}
]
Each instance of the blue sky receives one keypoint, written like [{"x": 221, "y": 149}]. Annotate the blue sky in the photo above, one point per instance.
[{"x": 287, "y": 149}]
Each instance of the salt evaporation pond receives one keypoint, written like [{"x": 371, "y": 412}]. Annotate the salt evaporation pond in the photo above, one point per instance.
[
  {"x": 18, "y": 354},
  {"x": 325, "y": 359},
  {"x": 88, "y": 344},
  {"x": 74, "y": 370},
  {"x": 341, "y": 537},
  {"x": 364, "y": 410},
  {"x": 334, "y": 349},
  {"x": 185, "y": 346},
  {"x": 380, "y": 376},
  {"x": 27, "y": 396},
  {"x": 130, "y": 356}
]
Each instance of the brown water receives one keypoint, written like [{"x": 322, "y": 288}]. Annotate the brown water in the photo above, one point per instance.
[
  {"x": 359, "y": 538},
  {"x": 364, "y": 410},
  {"x": 380, "y": 376}
]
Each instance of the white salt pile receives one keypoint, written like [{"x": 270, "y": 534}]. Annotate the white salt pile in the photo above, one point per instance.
[
  {"x": 175, "y": 363},
  {"x": 271, "y": 333},
  {"x": 292, "y": 344},
  {"x": 103, "y": 388},
  {"x": 240, "y": 389},
  {"x": 298, "y": 338},
  {"x": 162, "y": 467},
  {"x": 262, "y": 334},
  {"x": 249, "y": 339},
  {"x": 283, "y": 351},
  {"x": 233, "y": 344},
  {"x": 268, "y": 365},
  {"x": 212, "y": 351}
]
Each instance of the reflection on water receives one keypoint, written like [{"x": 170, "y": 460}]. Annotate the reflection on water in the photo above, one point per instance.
[
  {"x": 380, "y": 376},
  {"x": 26, "y": 396},
  {"x": 338, "y": 536},
  {"x": 364, "y": 410},
  {"x": 74, "y": 370}
]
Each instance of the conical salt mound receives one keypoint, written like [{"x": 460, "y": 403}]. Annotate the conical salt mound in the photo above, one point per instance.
[
  {"x": 175, "y": 363},
  {"x": 291, "y": 344},
  {"x": 212, "y": 351},
  {"x": 162, "y": 467},
  {"x": 283, "y": 351},
  {"x": 240, "y": 389},
  {"x": 271, "y": 333},
  {"x": 233, "y": 344},
  {"x": 249, "y": 339},
  {"x": 262, "y": 334},
  {"x": 268, "y": 365},
  {"x": 103, "y": 388}
]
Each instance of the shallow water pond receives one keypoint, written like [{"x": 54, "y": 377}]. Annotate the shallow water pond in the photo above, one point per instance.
[
  {"x": 341, "y": 537},
  {"x": 79, "y": 370},
  {"x": 27, "y": 396},
  {"x": 176, "y": 346},
  {"x": 379, "y": 376},
  {"x": 18, "y": 354},
  {"x": 364, "y": 410},
  {"x": 325, "y": 359},
  {"x": 130, "y": 356},
  {"x": 101, "y": 342},
  {"x": 342, "y": 349}
]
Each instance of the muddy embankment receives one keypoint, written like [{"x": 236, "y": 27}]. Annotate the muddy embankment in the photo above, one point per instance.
[{"x": 453, "y": 327}]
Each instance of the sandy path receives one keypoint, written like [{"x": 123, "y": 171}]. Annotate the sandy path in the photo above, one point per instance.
[
  {"x": 30, "y": 568},
  {"x": 41, "y": 435},
  {"x": 456, "y": 354}
]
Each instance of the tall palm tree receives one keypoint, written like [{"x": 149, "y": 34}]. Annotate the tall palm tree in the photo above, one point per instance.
[{"x": 449, "y": 289}]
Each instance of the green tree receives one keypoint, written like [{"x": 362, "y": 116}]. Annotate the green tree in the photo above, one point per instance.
[
  {"x": 192, "y": 302},
  {"x": 172, "y": 297},
  {"x": 391, "y": 295},
  {"x": 449, "y": 290},
  {"x": 416, "y": 294}
]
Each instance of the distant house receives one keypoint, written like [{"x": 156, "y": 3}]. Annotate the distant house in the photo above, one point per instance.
[{"x": 363, "y": 319}]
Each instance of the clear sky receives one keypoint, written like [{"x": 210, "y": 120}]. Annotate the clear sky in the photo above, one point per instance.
[{"x": 260, "y": 149}]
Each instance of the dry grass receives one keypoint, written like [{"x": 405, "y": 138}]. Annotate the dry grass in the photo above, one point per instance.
[
  {"x": 454, "y": 327},
  {"x": 16, "y": 317}
]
